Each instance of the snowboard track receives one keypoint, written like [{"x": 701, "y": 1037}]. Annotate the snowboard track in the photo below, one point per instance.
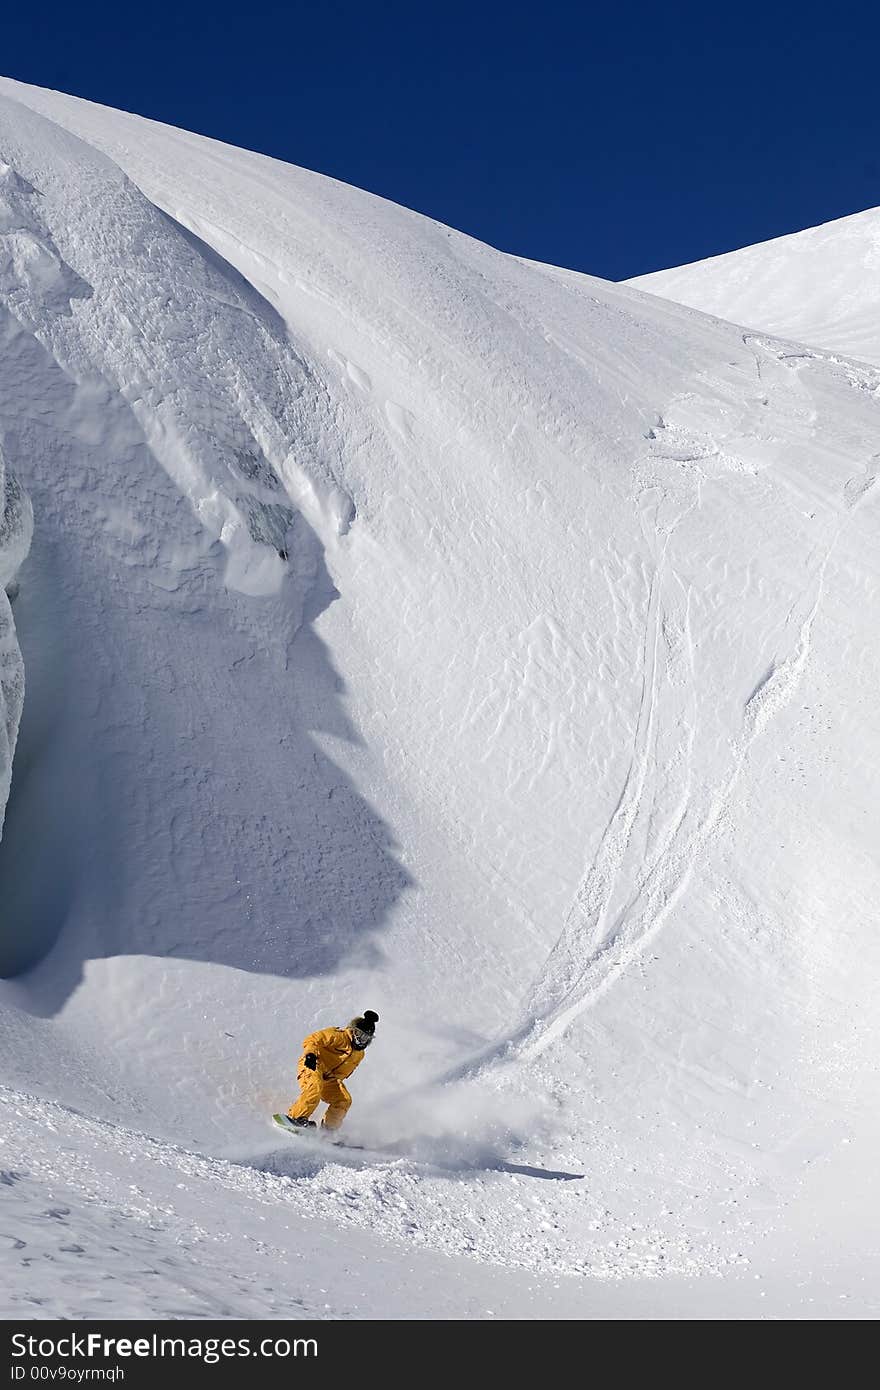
[{"x": 599, "y": 941}]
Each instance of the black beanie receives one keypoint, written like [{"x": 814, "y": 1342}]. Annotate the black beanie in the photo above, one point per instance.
[{"x": 367, "y": 1024}]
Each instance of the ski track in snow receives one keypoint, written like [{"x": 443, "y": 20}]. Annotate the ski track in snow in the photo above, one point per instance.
[{"x": 598, "y": 945}]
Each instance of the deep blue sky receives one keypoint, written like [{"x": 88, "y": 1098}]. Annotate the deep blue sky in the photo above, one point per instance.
[{"x": 614, "y": 138}]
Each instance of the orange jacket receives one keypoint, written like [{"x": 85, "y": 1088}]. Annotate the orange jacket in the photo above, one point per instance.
[{"x": 336, "y": 1054}]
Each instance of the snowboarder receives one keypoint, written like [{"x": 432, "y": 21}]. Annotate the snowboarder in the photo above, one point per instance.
[{"x": 329, "y": 1057}]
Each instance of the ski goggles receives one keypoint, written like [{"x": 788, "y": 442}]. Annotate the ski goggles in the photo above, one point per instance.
[{"x": 362, "y": 1040}]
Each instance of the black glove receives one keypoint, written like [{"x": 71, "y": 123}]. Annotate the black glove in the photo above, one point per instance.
[{"x": 311, "y": 1061}]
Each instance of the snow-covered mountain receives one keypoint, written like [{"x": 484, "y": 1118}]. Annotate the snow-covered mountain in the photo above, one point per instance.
[
  {"x": 820, "y": 286},
  {"x": 410, "y": 627}
]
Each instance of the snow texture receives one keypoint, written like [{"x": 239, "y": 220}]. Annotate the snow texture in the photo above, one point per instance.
[
  {"x": 411, "y": 627},
  {"x": 16, "y": 528}
]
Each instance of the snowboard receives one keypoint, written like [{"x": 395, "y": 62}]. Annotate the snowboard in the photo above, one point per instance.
[{"x": 301, "y": 1131}]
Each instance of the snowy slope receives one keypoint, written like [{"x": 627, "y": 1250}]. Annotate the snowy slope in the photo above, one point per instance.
[
  {"x": 820, "y": 286},
  {"x": 16, "y": 528},
  {"x": 409, "y": 627}
]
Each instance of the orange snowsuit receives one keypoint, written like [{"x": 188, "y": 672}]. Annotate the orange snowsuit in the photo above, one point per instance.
[{"x": 337, "y": 1058}]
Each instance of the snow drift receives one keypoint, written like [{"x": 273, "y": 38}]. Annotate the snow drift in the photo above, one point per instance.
[{"x": 414, "y": 628}]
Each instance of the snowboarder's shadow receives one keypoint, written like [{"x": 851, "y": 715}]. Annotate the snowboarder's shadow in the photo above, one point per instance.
[
  {"x": 479, "y": 1163},
  {"x": 553, "y": 1174},
  {"x": 307, "y": 1163}
]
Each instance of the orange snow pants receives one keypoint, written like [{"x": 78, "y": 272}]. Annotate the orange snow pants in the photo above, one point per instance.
[{"x": 313, "y": 1088}]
